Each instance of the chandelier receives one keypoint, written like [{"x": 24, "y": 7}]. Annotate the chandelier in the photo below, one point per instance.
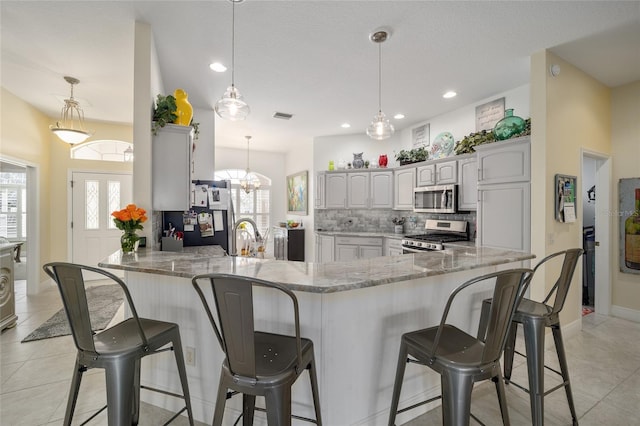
[
  {"x": 380, "y": 128},
  {"x": 70, "y": 128},
  {"x": 250, "y": 182},
  {"x": 231, "y": 106}
]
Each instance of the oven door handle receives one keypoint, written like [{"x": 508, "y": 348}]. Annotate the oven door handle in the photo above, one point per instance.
[{"x": 408, "y": 250}]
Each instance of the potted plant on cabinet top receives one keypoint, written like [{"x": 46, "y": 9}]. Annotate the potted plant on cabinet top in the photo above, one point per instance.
[
  {"x": 412, "y": 155},
  {"x": 164, "y": 113}
]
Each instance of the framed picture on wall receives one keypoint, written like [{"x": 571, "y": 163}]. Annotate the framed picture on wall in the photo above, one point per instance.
[
  {"x": 297, "y": 193},
  {"x": 565, "y": 187},
  {"x": 629, "y": 214}
]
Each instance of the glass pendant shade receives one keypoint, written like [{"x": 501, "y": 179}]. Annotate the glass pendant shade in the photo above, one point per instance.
[
  {"x": 380, "y": 128},
  {"x": 70, "y": 128},
  {"x": 231, "y": 106}
]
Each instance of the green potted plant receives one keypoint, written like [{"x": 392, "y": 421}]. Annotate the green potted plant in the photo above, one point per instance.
[
  {"x": 164, "y": 113},
  {"x": 412, "y": 155}
]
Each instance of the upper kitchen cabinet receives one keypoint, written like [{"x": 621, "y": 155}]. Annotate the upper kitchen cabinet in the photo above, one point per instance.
[
  {"x": 381, "y": 190},
  {"x": 468, "y": 182},
  {"x": 335, "y": 190},
  {"x": 319, "y": 199},
  {"x": 171, "y": 168},
  {"x": 502, "y": 162},
  {"x": 404, "y": 181},
  {"x": 358, "y": 189},
  {"x": 437, "y": 173}
]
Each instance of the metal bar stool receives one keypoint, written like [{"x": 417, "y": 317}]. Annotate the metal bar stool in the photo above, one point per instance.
[
  {"x": 118, "y": 349},
  {"x": 459, "y": 358},
  {"x": 257, "y": 363},
  {"x": 535, "y": 317}
]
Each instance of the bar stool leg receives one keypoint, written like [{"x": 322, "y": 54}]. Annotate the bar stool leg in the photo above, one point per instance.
[
  {"x": 509, "y": 350},
  {"x": 502, "y": 397},
  {"x": 248, "y": 408},
  {"x": 314, "y": 390},
  {"x": 534, "y": 342},
  {"x": 78, "y": 369},
  {"x": 397, "y": 385},
  {"x": 120, "y": 377},
  {"x": 564, "y": 369},
  {"x": 221, "y": 400},
  {"x": 176, "y": 344},
  {"x": 456, "y": 399},
  {"x": 278, "y": 404},
  {"x": 135, "y": 416}
]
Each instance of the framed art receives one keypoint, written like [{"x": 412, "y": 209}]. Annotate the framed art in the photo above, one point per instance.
[
  {"x": 298, "y": 193},
  {"x": 629, "y": 218},
  {"x": 565, "y": 189}
]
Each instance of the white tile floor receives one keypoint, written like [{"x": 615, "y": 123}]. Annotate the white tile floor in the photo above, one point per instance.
[{"x": 604, "y": 364}]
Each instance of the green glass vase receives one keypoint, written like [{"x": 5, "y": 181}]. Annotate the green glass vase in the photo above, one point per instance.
[
  {"x": 128, "y": 242},
  {"x": 509, "y": 126}
]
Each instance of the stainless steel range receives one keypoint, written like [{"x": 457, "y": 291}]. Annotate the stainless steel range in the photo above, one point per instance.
[{"x": 437, "y": 234}]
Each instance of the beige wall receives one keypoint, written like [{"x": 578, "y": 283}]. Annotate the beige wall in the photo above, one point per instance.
[
  {"x": 575, "y": 116},
  {"x": 625, "y": 135},
  {"x": 25, "y": 136}
]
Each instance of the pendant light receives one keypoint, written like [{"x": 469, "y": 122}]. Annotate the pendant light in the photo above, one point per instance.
[
  {"x": 380, "y": 128},
  {"x": 249, "y": 182},
  {"x": 70, "y": 128},
  {"x": 231, "y": 106}
]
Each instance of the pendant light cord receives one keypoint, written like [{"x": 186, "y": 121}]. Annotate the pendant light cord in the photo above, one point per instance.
[
  {"x": 379, "y": 77},
  {"x": 233, "y": 42}
]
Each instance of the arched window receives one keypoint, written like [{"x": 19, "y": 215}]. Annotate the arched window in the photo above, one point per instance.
[
  {"x": 254, "y": 205},
  {"x": 103, "y": 150}
]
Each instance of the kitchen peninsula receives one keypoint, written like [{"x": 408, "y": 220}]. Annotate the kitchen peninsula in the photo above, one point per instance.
[{"x": 355, "y": 313}]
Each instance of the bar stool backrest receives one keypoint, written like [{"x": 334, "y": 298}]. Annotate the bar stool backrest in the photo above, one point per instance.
[
  {"x": 506, "y": 296},
  {"x": 70, "y": 281},
  {"x": 233, "y": 297},
  {"x": 561, "y": 286}
]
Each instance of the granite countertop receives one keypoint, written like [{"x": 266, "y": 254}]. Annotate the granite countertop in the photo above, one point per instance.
[
  {"x": 366, "y": 234},
  {"x": 313, "y": 277}
]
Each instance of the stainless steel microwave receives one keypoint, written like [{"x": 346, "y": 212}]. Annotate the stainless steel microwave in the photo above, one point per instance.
[{"x": 435, "y": 199}]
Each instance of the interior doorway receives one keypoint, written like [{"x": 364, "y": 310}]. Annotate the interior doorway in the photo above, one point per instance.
[
  {"x": 596, "y": 235},
  {"x": 20, "y": 217}
]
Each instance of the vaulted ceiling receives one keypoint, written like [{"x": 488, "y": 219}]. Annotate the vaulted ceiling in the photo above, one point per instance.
[{"x": 312, "y": 59}]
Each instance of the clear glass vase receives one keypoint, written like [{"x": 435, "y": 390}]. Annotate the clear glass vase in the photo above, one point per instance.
[
  {"x": 128, "y": 242},
  {"x": 509, "y": 126}
]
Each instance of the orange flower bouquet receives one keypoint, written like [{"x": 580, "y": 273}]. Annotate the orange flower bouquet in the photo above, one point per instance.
[{"x": 129, "y": 220}]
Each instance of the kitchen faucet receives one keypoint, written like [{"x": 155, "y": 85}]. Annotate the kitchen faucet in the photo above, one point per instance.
[{"x": 234, "y": 249}]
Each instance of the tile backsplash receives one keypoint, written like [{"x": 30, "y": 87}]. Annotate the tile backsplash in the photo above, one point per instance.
[{"x": 379, "y": 220}]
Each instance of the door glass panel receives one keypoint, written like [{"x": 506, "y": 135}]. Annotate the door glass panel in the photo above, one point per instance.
[
  {"x": 114, "y": 201},
  {"x": 92, "y": 209}
]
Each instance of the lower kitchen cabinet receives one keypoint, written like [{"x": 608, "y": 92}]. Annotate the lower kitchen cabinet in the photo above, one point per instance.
[
  {"x": 325, "y": 245},
  {"x": 353, "y": 248},
  {"x": 392, "y": 246}
]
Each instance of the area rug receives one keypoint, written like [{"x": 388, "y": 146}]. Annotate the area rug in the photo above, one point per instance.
[
  {"x": 586, "y": 310},
  {"x": 103, "y": 301}
]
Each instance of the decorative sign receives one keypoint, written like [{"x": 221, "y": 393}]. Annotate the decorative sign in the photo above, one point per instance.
[
  {"x": 565, "y": 198},
  {"x": 420, "y": 136},
  {"x": 629, "y": 193},
  {"x": 487, "y": 115}
]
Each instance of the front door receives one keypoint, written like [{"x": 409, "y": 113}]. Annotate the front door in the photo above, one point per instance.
[{"x": 94, "y": 197}]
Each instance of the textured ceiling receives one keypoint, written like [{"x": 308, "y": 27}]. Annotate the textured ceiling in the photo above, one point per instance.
[{"x": 312, "y": 59}]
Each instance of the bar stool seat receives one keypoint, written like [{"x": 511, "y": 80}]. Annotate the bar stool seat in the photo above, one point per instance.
[{"x": 118, "y": 350}]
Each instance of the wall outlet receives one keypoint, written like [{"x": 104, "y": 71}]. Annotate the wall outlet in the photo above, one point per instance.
[{"x": 190, "y": 356}]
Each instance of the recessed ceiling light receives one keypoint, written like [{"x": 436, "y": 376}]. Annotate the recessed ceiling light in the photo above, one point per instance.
[
  {"x": 218, "y": 67},
  {"x": 345, "y": 125},
  {"x": 449, "y": 94},
  {"x": 398, "y": 116}
]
